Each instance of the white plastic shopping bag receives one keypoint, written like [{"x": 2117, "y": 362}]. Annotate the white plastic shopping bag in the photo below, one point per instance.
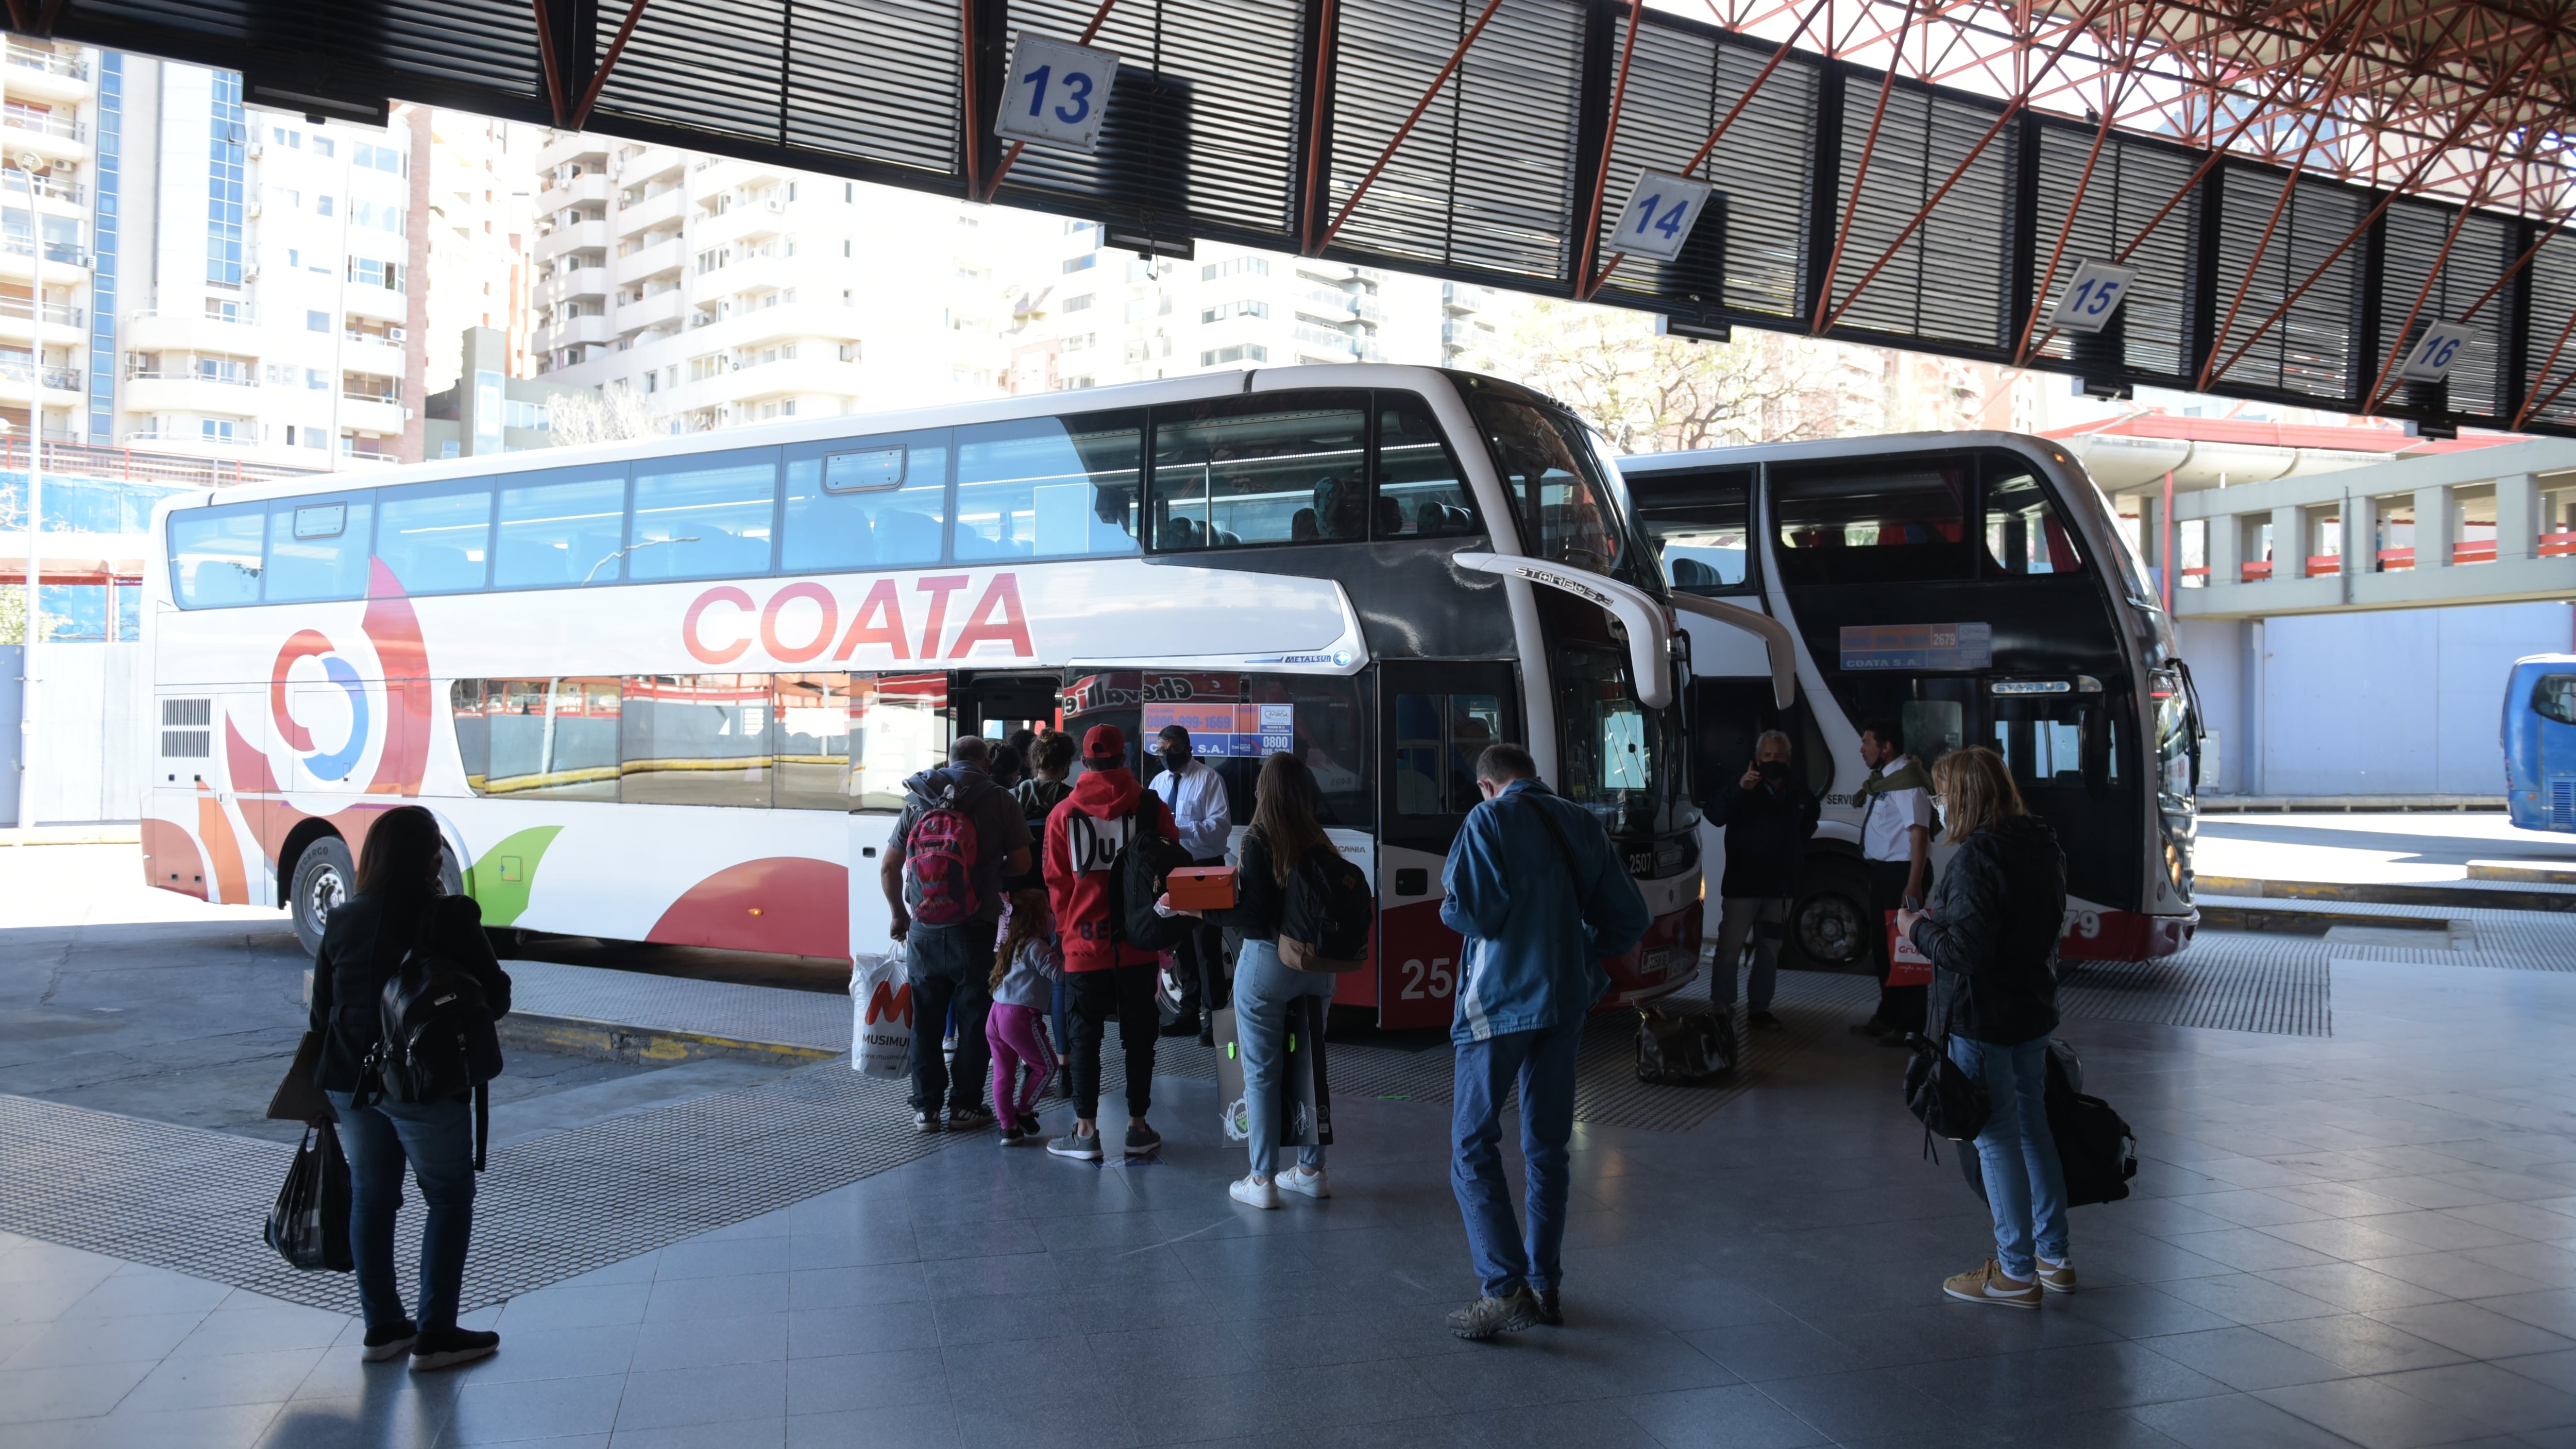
[{"x": 881, "y": 1014}]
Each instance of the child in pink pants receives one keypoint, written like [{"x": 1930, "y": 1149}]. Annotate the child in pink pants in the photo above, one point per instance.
[{"x": 1028, "y": 963}]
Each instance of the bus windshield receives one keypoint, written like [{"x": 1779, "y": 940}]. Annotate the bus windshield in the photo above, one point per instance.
[
  {"x": 1621, "y": 760},
  {"x": 1572, "y": 502}
]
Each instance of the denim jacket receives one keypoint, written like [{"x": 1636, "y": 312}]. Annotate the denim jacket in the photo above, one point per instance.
[{"x": 1534, "y": 937}]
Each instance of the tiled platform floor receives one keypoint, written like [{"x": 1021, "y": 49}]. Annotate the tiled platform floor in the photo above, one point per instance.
[{"x": 2368, "y": 1238}]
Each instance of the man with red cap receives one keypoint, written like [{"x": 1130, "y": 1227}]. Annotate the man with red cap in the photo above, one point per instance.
[{"x": 1104, "y": 976}]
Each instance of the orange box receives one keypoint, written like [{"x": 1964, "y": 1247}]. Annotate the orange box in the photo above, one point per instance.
[{"x": 1201, "y": 888}]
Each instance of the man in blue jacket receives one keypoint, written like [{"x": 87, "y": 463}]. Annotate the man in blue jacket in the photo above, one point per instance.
[{"x": 1540, "y": 896}]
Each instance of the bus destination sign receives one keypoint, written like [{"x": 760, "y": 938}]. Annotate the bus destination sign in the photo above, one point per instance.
[{"x": 1918, "y": 646}]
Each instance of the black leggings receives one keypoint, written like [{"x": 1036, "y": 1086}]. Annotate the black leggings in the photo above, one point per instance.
[{"x": 1126, "y": 993}]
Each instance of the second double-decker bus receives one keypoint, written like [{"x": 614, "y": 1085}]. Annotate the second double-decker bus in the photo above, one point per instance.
[
  {"x": 1974, "y": 589},
  {"x": 668, "y": 690}
]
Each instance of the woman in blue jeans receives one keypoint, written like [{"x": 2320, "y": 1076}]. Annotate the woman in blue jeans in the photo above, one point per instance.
[
  {"x": 399, "y": 903},
  {"x": 1283, "y": 829},
  {"x": 1991, "y": 931}
]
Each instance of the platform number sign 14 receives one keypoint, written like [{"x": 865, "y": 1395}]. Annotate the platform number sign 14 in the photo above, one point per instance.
[
  {"x": 1057, "y": 94},
  {"x": 2434, "y": 352},
  {"x": 2092, "y": 295},
  {"x": 1661, "y": 212}
]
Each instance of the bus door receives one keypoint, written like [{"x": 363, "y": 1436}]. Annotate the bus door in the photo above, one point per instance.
[
  {"x": 997, "y": 704},
  {"x": 1434, "y": 719}
]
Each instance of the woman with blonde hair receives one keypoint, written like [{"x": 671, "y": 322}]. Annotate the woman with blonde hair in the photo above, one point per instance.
[{"x": 1991, "y": 931}]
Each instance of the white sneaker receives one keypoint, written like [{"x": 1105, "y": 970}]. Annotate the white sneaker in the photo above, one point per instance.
[
  {"x": 1302, "y": 1179},
  {"x": 1254, "y": 1194}
]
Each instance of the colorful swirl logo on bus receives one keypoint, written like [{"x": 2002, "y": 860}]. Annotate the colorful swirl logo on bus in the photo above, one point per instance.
[{"x": 337, "y": 763}]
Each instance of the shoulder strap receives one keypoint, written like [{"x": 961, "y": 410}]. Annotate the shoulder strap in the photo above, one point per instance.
[{"x": 1564, "y": 847}]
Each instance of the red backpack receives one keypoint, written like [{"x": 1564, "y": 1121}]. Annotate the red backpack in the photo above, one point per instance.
[{"x": 939, "y": 865}]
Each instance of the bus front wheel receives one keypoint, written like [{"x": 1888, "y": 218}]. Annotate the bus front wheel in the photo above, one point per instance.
[
  {"x": 323, "y": 878},
  {"x": 1829, "y": 923}
]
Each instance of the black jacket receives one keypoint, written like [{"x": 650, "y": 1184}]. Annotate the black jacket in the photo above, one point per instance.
[
  {"x": 1259, "y": 899},
  {"x": 1767, "y": 829},
  {"x": 1991, "y": 929},
  {"x": 361, "y": 948}
]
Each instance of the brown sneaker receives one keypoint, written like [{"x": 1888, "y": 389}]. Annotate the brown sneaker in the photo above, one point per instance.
[
  {"x": 1987, "y": 1284},
  {"x": 2057, "y": 1277}
]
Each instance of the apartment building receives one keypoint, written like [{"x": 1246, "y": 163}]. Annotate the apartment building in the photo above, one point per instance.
[
  {"x": 726, "y": 292},
  {"x": 1109, "y": 316},
  {"x": 57, "y": 328}
]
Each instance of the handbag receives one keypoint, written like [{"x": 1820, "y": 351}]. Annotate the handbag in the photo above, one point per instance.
[
  {"x": 297, "y": 1099},
  {"x": 309, "y": 1224},
  {"x": 2097, "y": 1151},
  {"x": 1945, "y": 1099},
  {"x": 1681, "y": 1048}
]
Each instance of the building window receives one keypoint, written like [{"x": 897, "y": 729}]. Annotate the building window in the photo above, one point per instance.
[
  {"x": 1079, "y": 304},
  {"x": 1223, "y": 310},
  {"x": 1079, "y": 342},
  {"x": 1082, "y": 263},
  {"x": 380, "y": 158},
  {"x": 322, "y": 146},
  {"x": 1238, "y": 352},
  {"x": 224, "y": 184},
  {"x": 1235, "y": 267},
  {"x": 317, "y": 321},
  {"x": 367, "y": 273}
]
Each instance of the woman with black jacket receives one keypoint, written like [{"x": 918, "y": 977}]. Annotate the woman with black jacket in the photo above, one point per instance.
[
  {"x": 399, "y": 903},
  {"x": 1283, "y": 830},
  {"x": 1991, "y": 931}
]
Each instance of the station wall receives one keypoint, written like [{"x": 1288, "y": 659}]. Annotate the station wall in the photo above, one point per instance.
[
  {"x": 93, "y": 714},
  {"x": 2393, "y": 702}
]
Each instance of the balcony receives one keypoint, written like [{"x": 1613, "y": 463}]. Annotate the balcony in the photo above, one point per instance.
[
  {"x": 664, "y": 209},
  {"x": 569, "y": 283},
  {"x": 371, "y": 352},
  {"x": 662, "y": 309},
  {"x": 590, "y": 186},
  {"x": 368, "y": 413},
  {"x": 50, "y": 134},
  {"x": 47, "y": 74},
  {"x": 189, "y": 392},
  {"x": 62, "y": 323},
  {"x": 656, "y": 260},
  {"x": 787, "y": 376},
  {"x": 585, "y": 236},
  {"x": 378, "y": 304},
  {"x": 69, "y": 195},
  {"x": 570, "y": 332},
  {"x": 747, "y": 220},
  {"x": 18, "y": 258},
  {"x": 566, "y": 146}
]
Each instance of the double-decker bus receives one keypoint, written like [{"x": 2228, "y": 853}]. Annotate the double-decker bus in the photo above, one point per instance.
[
  {"x": 1973, "y": 588},
  {"x": 668, "y": 690}
]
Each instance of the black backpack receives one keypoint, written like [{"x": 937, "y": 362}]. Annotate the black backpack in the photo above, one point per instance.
[
  {"x": 1325, "y": 914},
  {"x": 1136, "y": 878},
  {"x": 435, "y": 1040},
  {"x": 2096, "y": 1150}
]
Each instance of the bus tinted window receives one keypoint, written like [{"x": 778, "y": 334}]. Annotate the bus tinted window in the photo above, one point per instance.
[
  {"x": 1419, "y": 493},
  {"x": 2553, "y": 697},
  {"x": 898, "y": 728},
  {"x": 2025, "y": 534},
  {"x": 695, "y": 739},
  {"x": 1296, "y": 474},
  {"x": 435, "y": 537},
  {"x": 1048, "y": 487},
  {"x": 813, "y": 741},
  {"x": 1844, "y": 526},
  {"x": 866, "y": 502},
  {"x": 215, "y": 555},
  {"x": 701, "y": 517},
  {"x": 562, "y": 529},
  {"x": 1437, "y": 740},
  {"x": 1567, "y": 515},
  {"x": 1621, "y": 761},
  {"x": 539, "y": 739},
  {"x": 317, "y": 548},
  {"x": 1701, "y": 524}
]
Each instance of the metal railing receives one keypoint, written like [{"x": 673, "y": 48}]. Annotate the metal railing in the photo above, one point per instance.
[
  {"x": 42, "y": 122},
  {"x": 53, "y": 62},
  {"x": 25, "y": 246},
  {"x": 63, "y": 313},
  {"x": 19, "y": 369},
  {"x": 392, "y": 398},
  {"x": 52, "y": 187}
]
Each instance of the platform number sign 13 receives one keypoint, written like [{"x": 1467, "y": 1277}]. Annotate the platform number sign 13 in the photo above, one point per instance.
[
  {"x": 1057, "y": 93},
  {"x": 1661, "y": 212},
  {"x": 2435, "y": 351},
  {"x": 2094, "y": 293}
]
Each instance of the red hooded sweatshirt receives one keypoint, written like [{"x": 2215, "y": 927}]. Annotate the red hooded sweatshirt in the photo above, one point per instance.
[{"x": 1080, "y": 897}]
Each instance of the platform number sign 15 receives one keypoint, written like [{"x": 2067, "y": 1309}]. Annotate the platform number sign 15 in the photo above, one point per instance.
[
  {"x": 2434, "y": 352},
  {"x": 2094, "y": 293},
  {"x": 1661, "y": 212},
  {"x": 1057, "y": 93}
]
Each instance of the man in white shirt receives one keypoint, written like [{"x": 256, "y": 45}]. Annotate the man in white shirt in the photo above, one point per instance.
[
  {"x": 1896, "y": 847},
  {"x": 1196, "y": 797}
]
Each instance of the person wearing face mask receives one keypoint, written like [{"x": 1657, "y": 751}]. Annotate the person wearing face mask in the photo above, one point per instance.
[
  {"x": 1769, "y": 816},
  {"x": 1195, "y": 794}
]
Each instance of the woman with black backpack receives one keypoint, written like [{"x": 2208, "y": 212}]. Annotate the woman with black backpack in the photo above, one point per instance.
[
  {"x": 1283, "y": 830},
  {"x": 1991, "y": 931},
  {"x": 400, "y": 907}
]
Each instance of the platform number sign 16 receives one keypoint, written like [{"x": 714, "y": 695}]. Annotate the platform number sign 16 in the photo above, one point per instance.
[
  {"x": 1661, "y": 212},
  {"x": 1057, "y": 93},
  {"x": 2434, "y": 352},
  {"x": 2092, "y": 295}
]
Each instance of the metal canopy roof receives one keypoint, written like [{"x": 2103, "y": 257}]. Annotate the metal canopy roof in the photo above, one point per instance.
[{"x": 2287, "y": 179}]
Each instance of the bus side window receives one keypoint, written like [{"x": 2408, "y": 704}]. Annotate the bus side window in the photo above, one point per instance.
[
  {"x": 898, "y": 728},
  {"x": 1289, "y": 474},
  {"x": 1438, "y": 738},
  {"x": 704, "y": 515},
  {"x": 435, "y": 537},
  {"x": 855, "y": 503},
  {"x": 562, "y": 528},
  {"x": 317, "y": 548},
  {"x": 1700, "y": 523},
  {"x": 1419, "y": 492},
  {"x": 538, "y": 739},
  {"x": 813, "y": 712},
  {"x": 1048, "y": 487},
  {"x": 695, "y": 739},
  {"x": 215, "y": 555},
  {"x": 1838, "y": 526},
  {"x": 2025, "y": 534}
]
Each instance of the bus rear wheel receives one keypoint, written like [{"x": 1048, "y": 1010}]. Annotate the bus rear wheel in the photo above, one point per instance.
[
  {"x": 1830, "y": 921},
  {"x": 323, "y": 877}
]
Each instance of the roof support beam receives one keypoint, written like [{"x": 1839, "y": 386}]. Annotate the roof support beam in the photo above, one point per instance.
[{"x": 1590, "y": 241}]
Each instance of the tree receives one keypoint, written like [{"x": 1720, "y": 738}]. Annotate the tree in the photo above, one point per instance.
[
  {"x": 13, "y": 617},
  {"x": 588, "y": 416},
  {"x": 1651, "y": 393}
]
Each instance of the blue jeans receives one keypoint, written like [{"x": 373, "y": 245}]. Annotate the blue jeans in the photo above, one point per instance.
[
  {"x": 1543, "y": 1061},
  {"x": 2025, "y": 1186},
  {"x": 437, "y": 1140},
  {"x": 1264, "y": 991}
]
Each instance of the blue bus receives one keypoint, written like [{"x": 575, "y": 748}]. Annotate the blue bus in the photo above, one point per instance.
[{"x": 2540, "y": 742}]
